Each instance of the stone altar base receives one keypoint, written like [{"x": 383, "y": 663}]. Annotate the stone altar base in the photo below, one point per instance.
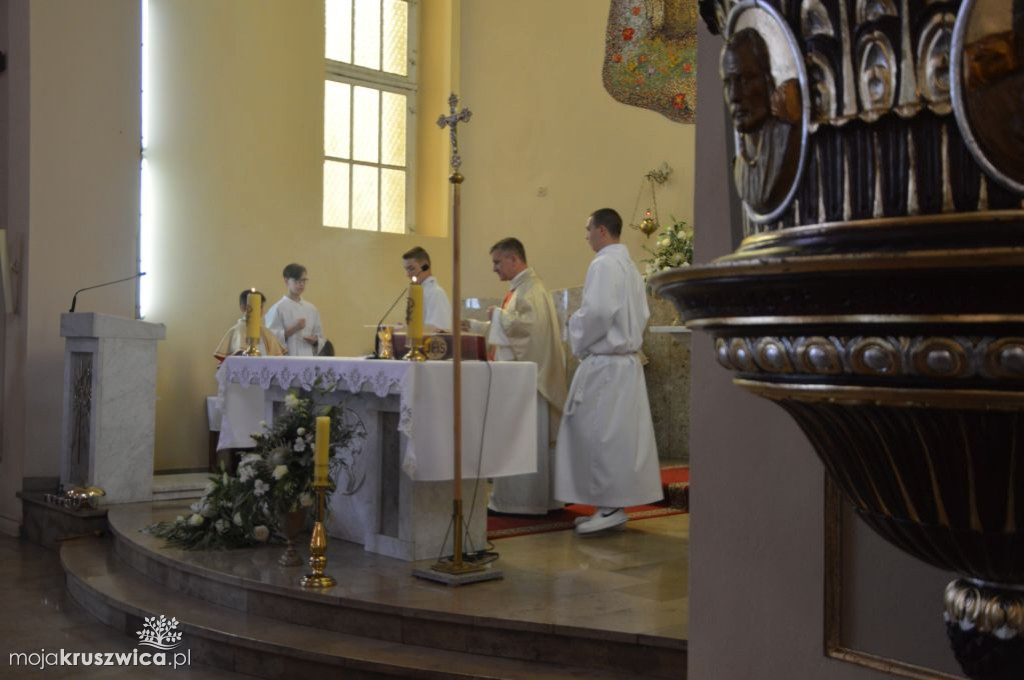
[{"x": 607, "y": 607}]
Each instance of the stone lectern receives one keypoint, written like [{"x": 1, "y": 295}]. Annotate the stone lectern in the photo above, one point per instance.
[{"x": 109, "y": 411}]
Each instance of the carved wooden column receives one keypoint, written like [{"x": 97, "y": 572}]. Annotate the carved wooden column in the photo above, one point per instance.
[{"x": 879, "y": 155}]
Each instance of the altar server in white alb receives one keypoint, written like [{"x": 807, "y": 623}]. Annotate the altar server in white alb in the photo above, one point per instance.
[
  {"x": 294, "y": 321},
  {"x": 526, "y": 328},
  {"x": 606, "y": 454},
  {"x": 437, "y": 311}
]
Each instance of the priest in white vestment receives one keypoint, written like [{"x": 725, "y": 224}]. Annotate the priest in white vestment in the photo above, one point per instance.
[
  {"x": 526, "y": 328},
  {"x": 606, "y": 454},
  {"x": 294, "y": 321},
  {"x": 437, "y": 310}
]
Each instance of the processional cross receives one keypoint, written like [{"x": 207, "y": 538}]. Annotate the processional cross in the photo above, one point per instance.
[{"x": 456, "y": 571}]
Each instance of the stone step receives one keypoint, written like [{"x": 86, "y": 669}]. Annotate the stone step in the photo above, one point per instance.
[
  {"x": 179, "y": 485},
  {"x": 250, "y": 581},
  {"x": 266, "y": 647}
]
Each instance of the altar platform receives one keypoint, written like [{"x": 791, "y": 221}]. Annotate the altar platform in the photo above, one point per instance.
[{"x": 610, "y": 606}]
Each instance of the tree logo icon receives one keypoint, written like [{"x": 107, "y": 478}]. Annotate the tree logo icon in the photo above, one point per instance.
[{"x": 160, "y": 633}]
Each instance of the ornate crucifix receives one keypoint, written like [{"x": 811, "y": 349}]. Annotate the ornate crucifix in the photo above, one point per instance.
[{"x": 452, "y": 120}]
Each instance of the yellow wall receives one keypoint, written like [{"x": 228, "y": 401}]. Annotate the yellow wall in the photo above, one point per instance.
[
  {"x": 236, "y": 144},
  {"x": 531, "y": 74}
]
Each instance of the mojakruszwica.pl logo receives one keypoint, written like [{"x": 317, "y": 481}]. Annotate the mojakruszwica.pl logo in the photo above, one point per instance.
[{"x": 157, "y": 632}]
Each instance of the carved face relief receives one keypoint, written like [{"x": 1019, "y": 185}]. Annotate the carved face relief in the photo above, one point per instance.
[
  {"x": 765, "y": 87},
  {"x": 987, "y": 86},
  {"x": 747, "y": 85}
]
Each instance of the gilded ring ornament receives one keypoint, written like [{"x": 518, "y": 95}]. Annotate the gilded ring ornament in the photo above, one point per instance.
[
  {"x": 771, "y": 355},
  {"x": 874, "y": 356},
  {"x": 1005, "y": 358},
  {"x": 740, "y": 354},
  {"x": 940, "y": 357},
  {"x": 818, "y": 355}
]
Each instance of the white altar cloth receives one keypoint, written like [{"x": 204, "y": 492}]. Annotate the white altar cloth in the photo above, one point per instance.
[{"x": 499, "y": 416}]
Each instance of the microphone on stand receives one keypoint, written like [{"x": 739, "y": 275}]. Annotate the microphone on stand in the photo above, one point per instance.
[
  {"x": 74, "y": 299},
  {"x": 376, "y": 333}
]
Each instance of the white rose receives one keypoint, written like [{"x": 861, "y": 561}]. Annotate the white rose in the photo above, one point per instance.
[
  {"x": 261, "y": 533},
  {"x": 260, "y": 487},
  {"x": 196, "y": 520},
  {"x": 300, "y": 445},
  {"x": 301, "y": 431},
  {"x": 237, "y": 519},
  {"x": 280, "y": 471},
  {"x": 291, "y": 401},
  {"x": 306, "y": 500},
  {"x": 663, "y": 241}
]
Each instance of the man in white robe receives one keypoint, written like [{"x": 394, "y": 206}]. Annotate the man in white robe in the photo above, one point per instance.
[
  {"x": 437, "y": 311},
  {"x": 526, "y": 328},
  {"x": 606, "y": 454},
  {"x": 294, "y": 321}
]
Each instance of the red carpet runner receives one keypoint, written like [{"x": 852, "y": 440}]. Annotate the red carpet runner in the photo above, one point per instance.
[{"x": 675, "y": 482}]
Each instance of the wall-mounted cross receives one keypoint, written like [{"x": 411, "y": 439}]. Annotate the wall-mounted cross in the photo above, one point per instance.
[{"x": 452, "y": 120}]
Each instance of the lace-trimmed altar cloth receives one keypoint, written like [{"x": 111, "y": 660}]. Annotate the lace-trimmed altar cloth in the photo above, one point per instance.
[{"x": 501, "y": 393}]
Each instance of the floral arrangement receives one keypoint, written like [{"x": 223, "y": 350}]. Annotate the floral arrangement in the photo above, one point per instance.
[
  {"x": 674, "y": 248},
  {"x": 275, "y": 479}
]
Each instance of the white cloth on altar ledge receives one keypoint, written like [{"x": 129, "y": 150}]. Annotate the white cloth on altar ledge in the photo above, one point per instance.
[{"x": 502, "y": 393}]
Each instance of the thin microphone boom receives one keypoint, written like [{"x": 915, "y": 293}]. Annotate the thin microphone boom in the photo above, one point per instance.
[
  {"x": 376, "y": 340},
  {"x": 74, "y": 298}
]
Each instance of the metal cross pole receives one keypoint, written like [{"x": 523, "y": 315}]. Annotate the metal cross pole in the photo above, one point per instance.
[{"x": 457, "y": 565}]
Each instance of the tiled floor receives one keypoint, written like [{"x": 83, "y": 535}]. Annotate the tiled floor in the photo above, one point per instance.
[
  {"x": 38, "y": 615},
  {"x": 633, "y": 581}
]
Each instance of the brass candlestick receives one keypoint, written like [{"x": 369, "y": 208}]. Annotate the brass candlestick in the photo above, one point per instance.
[
  {"x": 318, "y": 547},
  {"x": 252, "y": 347},
  {"x": 415, "y": 352}
]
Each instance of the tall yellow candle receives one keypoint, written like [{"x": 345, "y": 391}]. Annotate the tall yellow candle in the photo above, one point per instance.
[
  {"x": 414, "y": 314},
  {"x": 323, "y": 443},
  {"x": 253, "y": 319}
]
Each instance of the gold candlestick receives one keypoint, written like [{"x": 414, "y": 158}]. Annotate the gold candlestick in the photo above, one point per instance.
[
  {"x": 318, "y": 548},
  {"x": 253, "y": 313}
]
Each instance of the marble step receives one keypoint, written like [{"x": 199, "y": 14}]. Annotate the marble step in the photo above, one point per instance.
[
  {"x": 250, "y": 581},
  {"x": 265, "y": 647},
  {"x": 179, "y": 485}
]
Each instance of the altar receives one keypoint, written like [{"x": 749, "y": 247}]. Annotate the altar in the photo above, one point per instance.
[{"x": 394, "y": 492}]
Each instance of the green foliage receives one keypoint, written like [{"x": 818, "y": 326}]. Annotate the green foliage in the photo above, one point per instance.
[
  {"x": 674, "y": 248},
  {"x": 249, "y": 507}
]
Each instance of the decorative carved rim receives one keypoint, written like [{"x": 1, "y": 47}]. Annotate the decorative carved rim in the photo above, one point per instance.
[
  {"x": 976, "y": 400},
  {"x": 759, "y": 265}
]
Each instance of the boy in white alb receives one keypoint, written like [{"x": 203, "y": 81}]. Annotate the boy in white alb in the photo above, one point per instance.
[
  {"x": 295, "y": 322},
  {"x": 437, "y": 311}
]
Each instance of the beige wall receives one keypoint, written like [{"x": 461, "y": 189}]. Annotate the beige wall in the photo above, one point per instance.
[
  {"x": 236, "y": 151},
  {"x": 757, "y": 526},
  {"x": 531, "y": 74},
  {"x": 73, "y": 126}
]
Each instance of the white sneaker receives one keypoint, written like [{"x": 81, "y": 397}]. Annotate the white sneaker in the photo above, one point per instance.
[{"x": 605, "y": 518}]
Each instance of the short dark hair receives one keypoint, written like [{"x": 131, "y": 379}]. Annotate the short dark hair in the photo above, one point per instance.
[
  {"x": 511, "y": 245},
  {"x": 417, "y": 254},
  {"x": 609, "y": 219},
  {"x": 294, "y": 271},
  {"x": 243, "y": 299}
]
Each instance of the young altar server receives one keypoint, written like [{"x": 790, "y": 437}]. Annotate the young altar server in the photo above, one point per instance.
[
  {"x": 437, "y": 311},
  {"x": 526, "y": 328},
  {"x": 606, "y": 454},
  {"x": 294, "y": 321},
  {"x": 234, "y": 340}
]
